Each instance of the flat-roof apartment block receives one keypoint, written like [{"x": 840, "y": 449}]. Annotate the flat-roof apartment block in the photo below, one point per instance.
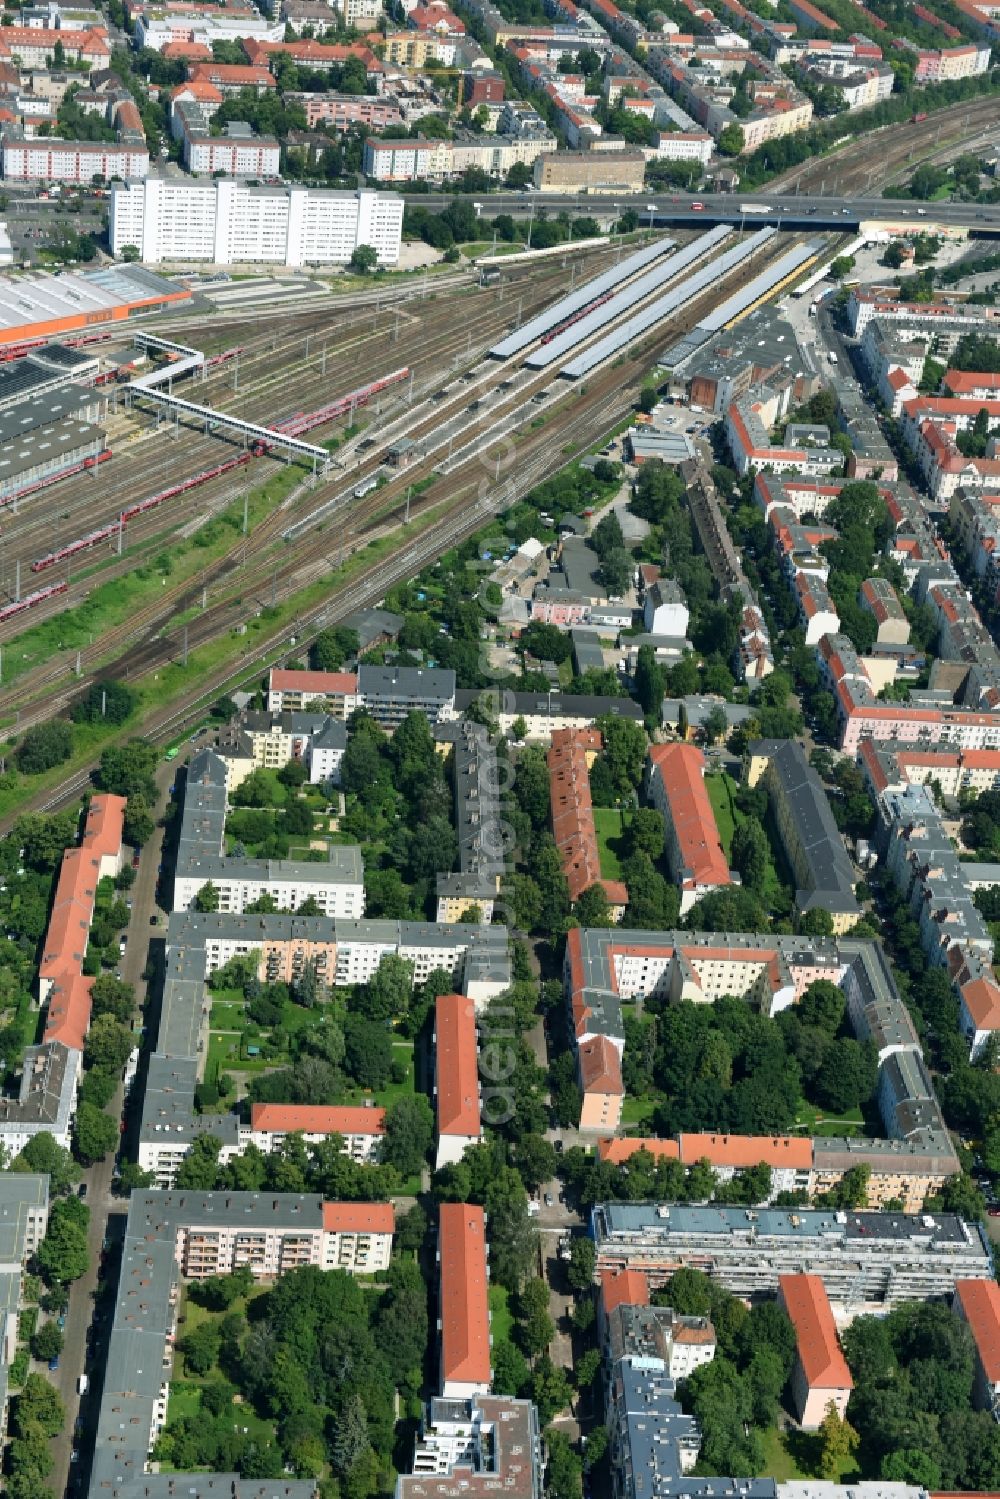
[{"x": 863, "y": 1259}]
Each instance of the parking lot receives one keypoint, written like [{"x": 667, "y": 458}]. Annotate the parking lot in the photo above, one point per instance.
[{"x": 33, "y": 222}]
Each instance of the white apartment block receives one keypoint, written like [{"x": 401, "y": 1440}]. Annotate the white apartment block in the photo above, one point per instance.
[
  {"x": 337, "y": 887},
  {"x": 48, "y": 159},
  {"x": 237, "y": 156},
  {"x": 362, "y": 1129},
  {"x": 683, "y": 145},
  {"x": 407, "y": 160},
  {"x": 205, "y": 24},
  {"x": 357, "y": 1236},
  {"x": 227, "y": 223}
]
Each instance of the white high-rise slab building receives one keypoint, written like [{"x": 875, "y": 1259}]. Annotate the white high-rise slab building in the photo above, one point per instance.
[{"x": 225, "y": 223}]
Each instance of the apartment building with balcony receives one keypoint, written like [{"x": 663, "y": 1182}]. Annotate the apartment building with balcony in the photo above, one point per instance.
[
  {"x": 168, "y": 1238},
  {"x": 361, "y": 1128},
  {"x": 865, "y": 1260},
  {"x": 357, "y": 1236},
  {"x": 343, "y": 953}
]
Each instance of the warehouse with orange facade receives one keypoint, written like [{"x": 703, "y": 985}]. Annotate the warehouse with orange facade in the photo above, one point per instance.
[{"x": 39, "y": 306}]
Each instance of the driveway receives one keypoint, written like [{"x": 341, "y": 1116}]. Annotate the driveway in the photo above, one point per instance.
[{"x": 107, "y": 1213}]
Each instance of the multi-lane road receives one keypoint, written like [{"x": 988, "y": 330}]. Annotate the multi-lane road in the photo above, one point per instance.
[{"x": 791, "y": 210}]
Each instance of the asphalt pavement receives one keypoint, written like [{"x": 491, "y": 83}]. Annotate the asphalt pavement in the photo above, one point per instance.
[{"x": 107, "y": 1212}]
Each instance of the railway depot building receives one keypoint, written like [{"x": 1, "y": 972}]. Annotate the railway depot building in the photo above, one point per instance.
[
  {"x": 227, "y": 222},
  {"x": 863, "y": 1259}
]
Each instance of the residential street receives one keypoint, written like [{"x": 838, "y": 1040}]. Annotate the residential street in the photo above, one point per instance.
[{"x": 106, "y": 1211}]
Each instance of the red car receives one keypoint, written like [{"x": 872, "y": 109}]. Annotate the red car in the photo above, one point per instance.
[{"x": 697, "y": 207}]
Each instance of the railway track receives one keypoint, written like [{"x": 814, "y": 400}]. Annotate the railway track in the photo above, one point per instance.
[
  {"x": 612, "y": 400},
  {"x": 863, "y": 166},
  {"x": 139, "y": 645},
  {"x": 434, "y": 338}
]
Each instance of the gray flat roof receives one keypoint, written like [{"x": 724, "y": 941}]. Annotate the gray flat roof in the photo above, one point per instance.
[
  {"x": 46, "y": 445},
  {"x": 867, "y": 1228}
]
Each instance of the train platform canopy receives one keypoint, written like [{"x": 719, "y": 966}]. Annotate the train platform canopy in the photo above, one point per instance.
[
  {"x": 41, "y": 305},
  {"x": 559, "y": 311}
]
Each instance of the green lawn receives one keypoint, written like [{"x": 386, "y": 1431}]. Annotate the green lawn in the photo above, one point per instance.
[
  {"x": 638, "y": 1110},
  {"x": 793, "y": 1454},
  {"x": 502, "y": 1320},
  {"x": 402, "y": 1051},
  {"x": 224, "y": 1051},
  {"x": 721, "y": 790},
  {"x": 610, "y": 824},
  {"x": 814, "y": 1122},
  {"x": 228, "y": 1017}
]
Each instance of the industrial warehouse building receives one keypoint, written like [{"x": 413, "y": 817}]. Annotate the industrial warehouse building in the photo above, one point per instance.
[
  {"x": 226, "y": 223},
  {"x": 43, "y": 306}
]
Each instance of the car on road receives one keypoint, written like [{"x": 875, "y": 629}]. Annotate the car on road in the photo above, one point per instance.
[
  {"x": 548, "y": 1199},
  {"x": 698, "y": 207},
  {"x": 53, "y": 1364}
]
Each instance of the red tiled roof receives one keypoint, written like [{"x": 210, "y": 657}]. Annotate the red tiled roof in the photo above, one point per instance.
[
  {"x": 316, "y": 1119},
  {"x": 186, "y": 52},
  {"x": 465, "y": 1312},
  {"x": 236, "y": 74},
  {"x": 626, "y": 1288},
  {"x": 457, "y": 1066},
  {"x": 964, "y": 382},
  {"x": 980, "y": 1303},
  {"x": 105, "y": 826},
  {"x": 616, "y": 1151},
  {"x": 197, "y": 88},
  {"x": 572, "y": 814},
  {"x": 808, "y": 1307},
  {"x": 600, "y": 1067},
  {"x": 981, "y": 998},
  {"x": 68, "y": 1016},
  {"x": 681, "y": 769},
  {"x": 744, "y": 1151},
  {"x": 358, "y": 1217},
  {"x": 68, "y": 932}
]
